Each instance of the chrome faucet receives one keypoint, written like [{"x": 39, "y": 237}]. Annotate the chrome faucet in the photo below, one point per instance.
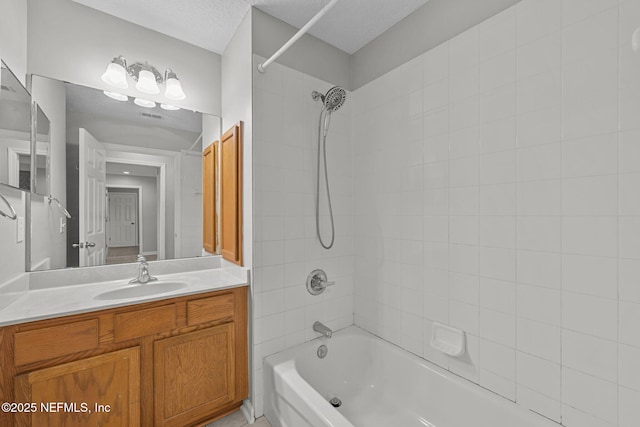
[
  {"x": 324, "y": 330},
  {"x": 143, "y": 272}
]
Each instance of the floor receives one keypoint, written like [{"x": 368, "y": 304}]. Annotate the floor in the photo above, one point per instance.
[
  {"x": 125, "y": 255},
  {"x": 237, "y": 420}
]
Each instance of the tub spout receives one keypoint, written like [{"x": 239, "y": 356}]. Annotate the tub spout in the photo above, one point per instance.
[{"x": 324, "y": 330}]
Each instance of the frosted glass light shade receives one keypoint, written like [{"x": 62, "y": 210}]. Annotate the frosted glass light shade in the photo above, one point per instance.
[
  {"x": 635, "y": 40},
  {"x": 147, "y": 83},
  {"x": 169, "y": 107},
  {"x": 144, "y": 103},
  {"x": 115, "y": 95},
  {"x": 115, "y": 75},
  {"x": 173, "y": 89}
]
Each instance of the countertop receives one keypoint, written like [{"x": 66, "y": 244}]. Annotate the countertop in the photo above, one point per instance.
[{"x": 67, "y": 300}]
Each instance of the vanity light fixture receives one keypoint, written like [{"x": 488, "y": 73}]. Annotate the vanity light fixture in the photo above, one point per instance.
[
  {"x": 169, "y": 107},
  {"x": 115, "y": 95},
  {"x": 147, "y": 77},
  {"x": 144, "y": 103}
]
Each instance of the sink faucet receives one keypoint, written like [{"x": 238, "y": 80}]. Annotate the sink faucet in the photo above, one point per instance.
[
  {"x": 324, "y": 330},
  {"x": 143, "y": 272}
]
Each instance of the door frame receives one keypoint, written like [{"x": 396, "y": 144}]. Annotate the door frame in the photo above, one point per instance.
[
  {"x": 161, "y": 183},
  {"x": 138, "y": 209},
  {"x": 13, "y": 163}
]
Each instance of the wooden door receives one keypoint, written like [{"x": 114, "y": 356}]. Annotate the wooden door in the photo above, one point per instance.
[
  {"x": 209, "y": 214},
  {"x": 194, "y": 375},
  {"x": 111, "y": 380},
  {"x": 231, "y": 194},
  {"x": 92, "y": 200},
  {"x": 123, "y": 220}
]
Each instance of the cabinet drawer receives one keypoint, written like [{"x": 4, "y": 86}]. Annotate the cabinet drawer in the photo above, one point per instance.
[
  {"x": 55, "y": 341},
  {"x": 141, "y": 323},
  {"x": 210, "y": 309}
]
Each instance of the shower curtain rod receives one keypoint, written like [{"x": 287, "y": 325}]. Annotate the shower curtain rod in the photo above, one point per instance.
[{"x": 262, "y": 66}]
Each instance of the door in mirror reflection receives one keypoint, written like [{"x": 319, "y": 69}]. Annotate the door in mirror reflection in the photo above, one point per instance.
[{"x": 93, "y": 178}]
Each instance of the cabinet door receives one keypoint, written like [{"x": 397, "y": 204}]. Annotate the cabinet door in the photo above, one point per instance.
[
  {"x": 98, "y": 391},
  {"x": 231, "y": 194},
  {"x": 209, "y": 214},
  {"x": 193, "y": 375}
]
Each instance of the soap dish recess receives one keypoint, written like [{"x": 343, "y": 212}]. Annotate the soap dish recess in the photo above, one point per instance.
[{"x": 448, "y": 340}]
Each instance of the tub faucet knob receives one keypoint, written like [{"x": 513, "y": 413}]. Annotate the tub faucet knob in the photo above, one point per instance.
[{"x": 317, "y": 282}]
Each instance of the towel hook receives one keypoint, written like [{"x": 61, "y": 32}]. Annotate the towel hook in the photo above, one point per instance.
[
  {"x": 62, "y": 208},
  {"x": 13, "y": 215}
]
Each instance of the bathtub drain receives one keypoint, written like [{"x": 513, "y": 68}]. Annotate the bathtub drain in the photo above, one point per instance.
[{"x": 335, "y": 402}]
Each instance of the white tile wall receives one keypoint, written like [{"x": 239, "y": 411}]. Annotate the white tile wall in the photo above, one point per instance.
[
  {"x": 524, "y": 227},
  {"x": 286, "y": 249}
]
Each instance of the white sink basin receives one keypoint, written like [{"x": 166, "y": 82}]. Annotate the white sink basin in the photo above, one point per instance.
[{"x": 142, "y": 290}]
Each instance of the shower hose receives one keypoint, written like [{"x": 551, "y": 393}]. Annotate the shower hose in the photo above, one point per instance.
[{"x": 322, "y": 145}]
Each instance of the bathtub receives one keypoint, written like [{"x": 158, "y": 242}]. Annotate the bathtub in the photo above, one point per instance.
[{"x": 379, "y": 385}]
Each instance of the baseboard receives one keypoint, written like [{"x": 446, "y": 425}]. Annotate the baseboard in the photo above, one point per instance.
[{"x": 248, "y": 411}]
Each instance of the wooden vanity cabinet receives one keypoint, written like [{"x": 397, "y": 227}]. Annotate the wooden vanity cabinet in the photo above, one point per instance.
[
  {"x": 176, "y": 362},
  {"x": 112, "y": 377}
]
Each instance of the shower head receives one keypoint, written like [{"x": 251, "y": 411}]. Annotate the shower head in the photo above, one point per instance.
[{"x": 333, "y": 99}]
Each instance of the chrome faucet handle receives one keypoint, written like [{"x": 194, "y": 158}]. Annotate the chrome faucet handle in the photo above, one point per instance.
[
  {"x": 317, "y": 282},
  {"x": 141, "y": 258}
]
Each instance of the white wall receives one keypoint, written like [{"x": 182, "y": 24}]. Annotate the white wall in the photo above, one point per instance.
[
  {"x": 149, "y": 209},
  {"x": 71, "y": 42},
  {"x": 12, "y": 261},
  {"x": 309, "y": 55},
  {"x": 237, "y": 106},
  {"x": 496, "y": 191},
  {"x": 286, "y": 248},
  {"x": 189, "y": 225},
  {"x": 13, "y": 51},
  {"x": 435, "y": 22},
  {"x": 13, "y": 36}
]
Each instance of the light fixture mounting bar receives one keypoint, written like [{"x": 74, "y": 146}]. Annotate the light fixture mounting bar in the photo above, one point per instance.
[{"x": 135, "y": 68}]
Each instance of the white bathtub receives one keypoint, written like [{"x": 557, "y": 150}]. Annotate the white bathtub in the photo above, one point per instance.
[{"x": 379, "y": 385}]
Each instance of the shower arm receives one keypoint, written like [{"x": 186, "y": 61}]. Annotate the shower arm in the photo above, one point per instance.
[{"x": 262, "y": 66}]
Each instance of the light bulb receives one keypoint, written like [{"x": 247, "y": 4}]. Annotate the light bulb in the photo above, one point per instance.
[
  {"x": 173, "y": 88},
  {"x": 116, "y": 73},
  {"x": 144, "y": 103},
  {"x": 147, "y": 83},
  {"x": 115, "y": 95}
]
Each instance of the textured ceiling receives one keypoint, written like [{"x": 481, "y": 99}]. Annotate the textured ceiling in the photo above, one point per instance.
[{"x": 349, "y": 25}]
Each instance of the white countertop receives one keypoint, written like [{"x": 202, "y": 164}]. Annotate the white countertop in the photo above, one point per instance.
[{"x": 68, "y": 300}]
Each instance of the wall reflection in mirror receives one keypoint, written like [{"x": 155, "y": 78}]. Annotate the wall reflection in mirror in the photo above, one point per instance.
[{"x": 131, "y": 178}]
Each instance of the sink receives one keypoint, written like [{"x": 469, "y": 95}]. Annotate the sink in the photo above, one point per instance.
[{"x": 142, "y": 290}]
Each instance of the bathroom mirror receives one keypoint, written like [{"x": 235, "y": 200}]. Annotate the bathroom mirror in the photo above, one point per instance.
[
  {"x": 15, "y": 131},
  {"x": 132, "y": 181}
]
